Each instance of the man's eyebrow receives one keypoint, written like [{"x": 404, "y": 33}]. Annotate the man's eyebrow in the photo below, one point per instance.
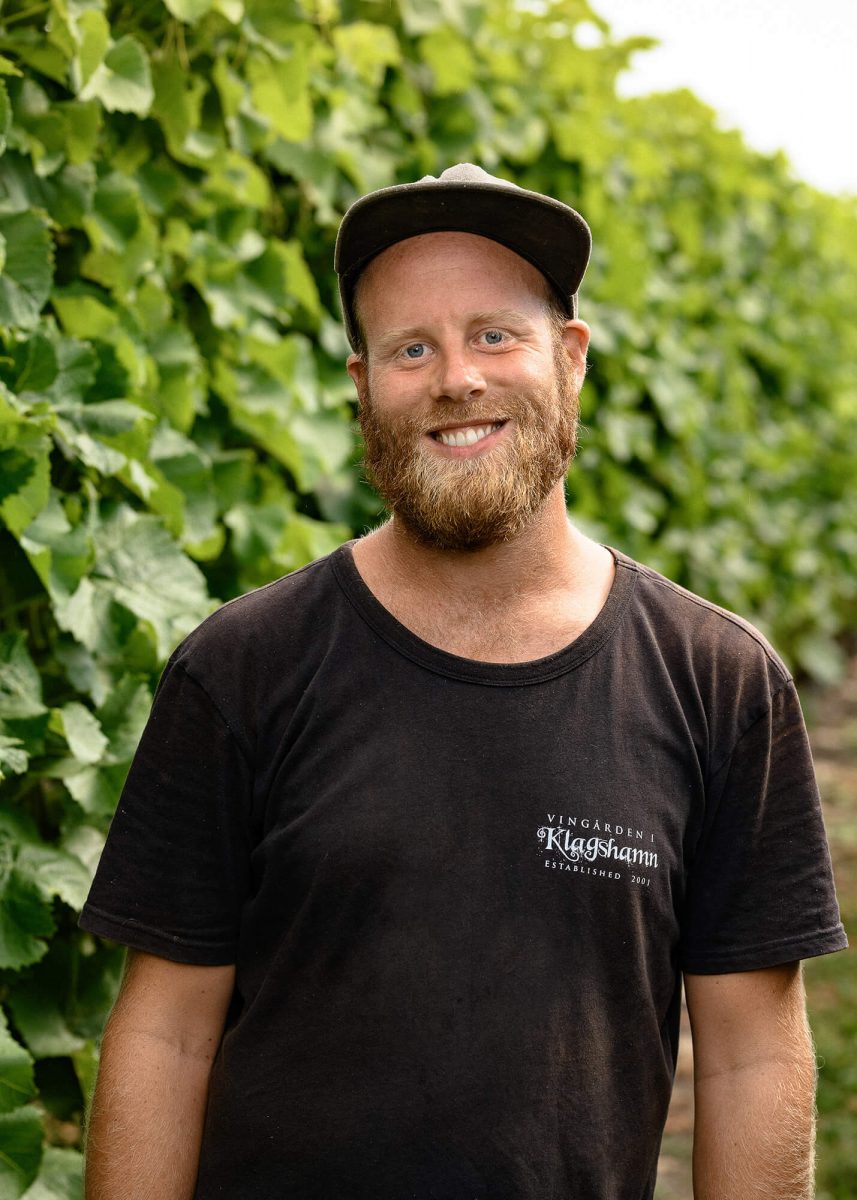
[
  {"x": 393, "y": 336},
  {"x": 500, "y": 316}
]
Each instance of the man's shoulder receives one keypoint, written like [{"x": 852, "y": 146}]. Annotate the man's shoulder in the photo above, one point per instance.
[{"x": 692, "y": 625}]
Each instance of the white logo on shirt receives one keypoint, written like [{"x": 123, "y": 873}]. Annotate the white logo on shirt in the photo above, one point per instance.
[{"x": 566, "y": 847}]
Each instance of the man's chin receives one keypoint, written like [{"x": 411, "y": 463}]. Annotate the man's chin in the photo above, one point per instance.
[
  {"x": 455, "y": 531},
  {"x": 448, "y": 541}
]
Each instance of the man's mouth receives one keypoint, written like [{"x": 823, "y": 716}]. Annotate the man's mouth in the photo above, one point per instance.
[{"x": 466, "y": 435}]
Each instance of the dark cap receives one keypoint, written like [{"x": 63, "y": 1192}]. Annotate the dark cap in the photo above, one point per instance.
[{"x": 465, "y": 199}]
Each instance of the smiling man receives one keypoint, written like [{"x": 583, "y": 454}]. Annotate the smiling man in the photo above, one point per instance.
[{"x": 421, "y": 839}]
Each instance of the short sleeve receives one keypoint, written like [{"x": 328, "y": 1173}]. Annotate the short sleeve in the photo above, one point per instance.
[
  {"x": 760, "y": 886},
  {"x": 174, "y": 872}
]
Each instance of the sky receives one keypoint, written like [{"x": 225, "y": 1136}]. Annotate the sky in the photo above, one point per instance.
[{"x": 782, "y": 71}]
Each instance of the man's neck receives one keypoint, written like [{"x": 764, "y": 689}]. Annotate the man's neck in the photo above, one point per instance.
[{"x": 519, "y": 599}]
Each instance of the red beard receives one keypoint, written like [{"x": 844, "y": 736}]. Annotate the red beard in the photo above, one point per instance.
[{"x": 470, "y": 503}]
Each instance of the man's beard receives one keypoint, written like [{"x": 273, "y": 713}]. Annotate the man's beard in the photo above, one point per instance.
[{"x": 469, "y": 503}]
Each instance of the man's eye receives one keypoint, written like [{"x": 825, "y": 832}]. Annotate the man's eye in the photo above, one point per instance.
[
  {"x": 493, "y": 337},
  {"x": 416, "y": 350}
]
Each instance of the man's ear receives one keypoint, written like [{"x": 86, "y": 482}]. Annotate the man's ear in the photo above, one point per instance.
[
  {"x": 355, "y": 365},
  {"x": 575, "y": 338}
]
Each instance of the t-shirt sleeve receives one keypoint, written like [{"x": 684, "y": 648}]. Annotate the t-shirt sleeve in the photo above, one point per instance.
[
  {"x": 175, "y": 869},
  {"x": 760, "y": 887}
]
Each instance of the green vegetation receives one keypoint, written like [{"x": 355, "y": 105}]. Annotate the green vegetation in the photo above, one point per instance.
[
  {"x": 832, "y": 992},
  {"x": 176, "y": 426},
  {"x": 831, "y": 981}
]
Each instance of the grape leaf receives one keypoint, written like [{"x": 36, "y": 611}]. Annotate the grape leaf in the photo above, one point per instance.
[
  {"x": 25, "y": 283},
  {"x": 123, "y": 81},
  {"x": 16, "y": 1071},
  {"x": 20, "y": 1150},
  {"x": 60, "y": 1176}
]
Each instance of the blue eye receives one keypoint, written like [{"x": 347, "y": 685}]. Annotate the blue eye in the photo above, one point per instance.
[
  {"x": 493, "y": 337},
  {"x": 415, "y": 351}
]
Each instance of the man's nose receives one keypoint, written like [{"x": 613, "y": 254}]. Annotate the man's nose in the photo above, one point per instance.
[{"x": 458, "y": 378}]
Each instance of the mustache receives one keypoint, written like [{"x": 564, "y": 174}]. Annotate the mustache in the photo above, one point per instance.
[{"x": 441, "y": 414}]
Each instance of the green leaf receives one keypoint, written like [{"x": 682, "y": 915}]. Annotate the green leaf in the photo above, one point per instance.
[
  {"x": 28, "y": 270},
  {"x": 82, "y": 732},
  {"x": 257, "y": 528},
  {"x": 86, "y": 615},
  {"x": 25, "y": 918},
  {"x": 13, "y": 757},
  {"x": 23, "y": 716},
  {"x": 59, "y": 553},
  {"x": 325, "y": 443},
  {"x": 236, "y": 180},
  {"x": 369, "y": 48},
  {"x": 419, "y": 16},
  {"x": 304, "y": 539},
  {"x": 91, "y": 452},
  {"x": 93, "y": 34},
  {"x": 83, "y": 315},
  {"x": 278, "y": 280},
  {"x": 35, "y": 1005},
  {"x": 177, "y": 104},
  {"x": 60, "y": 1176},
  {"x": 20, "y": 685},
  {"x": 82, "y": 127},
  {"x": 141, "y": 568},
  {"x": 77, "y": 365},
  {"x": 35, "y": 364},
  {"x": 451, "y": 60},
  {"x": 68, "y": 193},
  {"x": 24, "y": 476},
  {"x": 33, "y": 49},
  {"x": 159, "y": 495},
  {"x": 54, "y": 873},
  {"x": 189, "y": 11},
  {"x": 232, "y": 10},
  {"x": 16, "y": 1071},
  {"x": 280, "y": 93},
  {"x": 5, "y": 115},
  {"x": 181, "y": 376},
  {"x": 46, "y": 1001},
  {"x": 189, "y": 471},
  {"x": 97, "y": 791},
  {"x": 116, "y": 212},
  {"x": 300, "y": 284},
  {"x": 123, "y": 81},
  {"x": 20, "y": 1150}
]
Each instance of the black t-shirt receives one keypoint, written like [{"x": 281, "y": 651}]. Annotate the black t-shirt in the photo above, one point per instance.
[{"x": 460, "y": 894}]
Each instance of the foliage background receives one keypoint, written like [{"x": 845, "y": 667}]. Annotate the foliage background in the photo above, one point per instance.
[{"x": 176, "y": 426}]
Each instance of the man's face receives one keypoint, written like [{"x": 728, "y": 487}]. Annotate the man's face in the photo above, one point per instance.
[{"x": 468, "y": 392}]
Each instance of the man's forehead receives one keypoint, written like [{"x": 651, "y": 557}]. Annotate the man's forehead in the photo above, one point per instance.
[{"x": 449, "y": 253}]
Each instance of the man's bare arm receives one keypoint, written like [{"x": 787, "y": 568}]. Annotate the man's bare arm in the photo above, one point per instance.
[
  {"x": 754, "y": 1086},
  {"x": 145, "y": 1124}
]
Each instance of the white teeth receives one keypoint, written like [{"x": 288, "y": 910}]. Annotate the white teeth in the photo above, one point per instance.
[{"x": 466, "y": 437}]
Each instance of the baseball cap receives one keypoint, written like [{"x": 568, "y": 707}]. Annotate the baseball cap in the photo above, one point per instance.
[{"x": 464, "y": 199}]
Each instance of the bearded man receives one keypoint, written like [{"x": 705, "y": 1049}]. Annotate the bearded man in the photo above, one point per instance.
[{"x": 421, "y": 839}]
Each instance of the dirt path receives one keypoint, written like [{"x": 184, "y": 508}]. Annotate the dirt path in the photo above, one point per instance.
[{"x": 832, "y": 719}]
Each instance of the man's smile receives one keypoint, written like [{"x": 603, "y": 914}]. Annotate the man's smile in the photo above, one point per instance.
[{"x": 465, "y": 436}]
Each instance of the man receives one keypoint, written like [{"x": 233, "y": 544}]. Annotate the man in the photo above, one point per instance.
[{"x": 420, "y": 839}]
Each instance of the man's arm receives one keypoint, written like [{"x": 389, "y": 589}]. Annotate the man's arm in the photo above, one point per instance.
[
  {"x": 145, "y": 1124},
  {"x": 754, "y": 1086}
]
